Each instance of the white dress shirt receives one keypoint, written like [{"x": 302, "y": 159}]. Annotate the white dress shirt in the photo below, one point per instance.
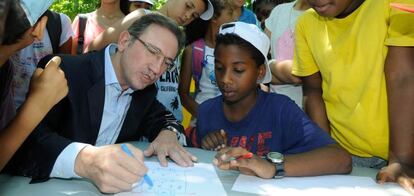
[{"x": 116, "y": 105}]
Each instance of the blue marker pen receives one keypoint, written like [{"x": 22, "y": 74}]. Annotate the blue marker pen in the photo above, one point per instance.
[{"x": 147, "y": 179}]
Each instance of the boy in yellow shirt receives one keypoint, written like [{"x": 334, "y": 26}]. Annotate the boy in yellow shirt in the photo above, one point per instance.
[{"x": 342, "y": 49}]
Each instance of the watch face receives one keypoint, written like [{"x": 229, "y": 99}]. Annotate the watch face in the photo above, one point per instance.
[{"x": 275, "y": 157}]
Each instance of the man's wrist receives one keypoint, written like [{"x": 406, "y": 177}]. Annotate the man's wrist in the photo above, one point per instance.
[
  {"x": 180, "y": 136},
  {"x": 173, "y": 129},
  {"x": 83, "y": 159}
]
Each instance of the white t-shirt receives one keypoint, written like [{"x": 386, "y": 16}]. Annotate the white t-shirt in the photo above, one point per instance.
[
  {"x": 281, "y": 23},
  {"x": 167, "y": 94},
  {"x": 207, "y": 85},
  {"x": 25, "y": 61}
]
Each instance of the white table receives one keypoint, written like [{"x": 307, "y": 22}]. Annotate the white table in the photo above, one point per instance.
[{"x": 17, "y": 185}]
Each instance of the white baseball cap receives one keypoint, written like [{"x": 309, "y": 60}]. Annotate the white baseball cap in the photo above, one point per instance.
[
  {"x": 206, "y": 15},
  {"x": 35, "y": 8},
  {"x": 252, "y": 34},
  {"x": 145, "y": 1}
]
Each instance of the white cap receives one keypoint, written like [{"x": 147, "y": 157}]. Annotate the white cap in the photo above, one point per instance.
[
  {"x": 145, "y": 1},
  {"x": 252, "y": 34},
  {"x": 209, "y": 12},
  {"x": 35, "y": 8}
]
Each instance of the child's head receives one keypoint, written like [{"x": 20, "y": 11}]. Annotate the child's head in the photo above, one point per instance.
[
  {"x": 238, "y": 3},
  {"x": 185, "y": 11},
  {"x": 262, "y": 8},
  {"x": 140, "y": 4},
  {"x": 240, "y": 60},
  {"x": 223, "y": 11},
  {"x": 334, "y": 8}
]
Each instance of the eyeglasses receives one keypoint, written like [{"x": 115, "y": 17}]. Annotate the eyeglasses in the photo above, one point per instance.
[{"x": 167, "y": 62}]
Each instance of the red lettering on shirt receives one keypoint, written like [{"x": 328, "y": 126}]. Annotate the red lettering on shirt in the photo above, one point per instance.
[
  {"x": 261, "y": 148},
  {"x": 234, "y": 141},
  {"x": 242, "y": 142}
]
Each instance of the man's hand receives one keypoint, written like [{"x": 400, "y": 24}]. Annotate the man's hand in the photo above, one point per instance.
[
  {"x": 110, "y": 168},
  {"x": 394, "y": 173},
  {"x": 214, "y": 140},
  {"x": 48, "y": 86},
  {"x": 227, "y": 159},
  {"x": 166, "y": 144}
]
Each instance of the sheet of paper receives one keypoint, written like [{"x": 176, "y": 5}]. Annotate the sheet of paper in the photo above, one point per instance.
[
  {"x": 201, "y": 179},
  {"x": 317, "y": 185}
]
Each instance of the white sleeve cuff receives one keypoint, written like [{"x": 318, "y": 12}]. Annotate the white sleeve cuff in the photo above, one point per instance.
[{"x": 65, "y": 163}]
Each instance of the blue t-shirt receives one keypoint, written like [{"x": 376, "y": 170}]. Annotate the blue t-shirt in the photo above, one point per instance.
[
  {"x": 248, "y": 16},
  {"x": 275, "y": 124}
]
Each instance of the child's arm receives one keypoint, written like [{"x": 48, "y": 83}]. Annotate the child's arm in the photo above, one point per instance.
[
  {"x": 282, "y": 72},
  {"x": 6, "y": 51},
  {"x": 330, "y": 159},
  {"x": 214, "y": 140},
  {"x": 185, "y": 82},
  {"x": 47, "y": 87},
  {"x": 399, "y": 72},
  {"x": 313, "y": 103}
]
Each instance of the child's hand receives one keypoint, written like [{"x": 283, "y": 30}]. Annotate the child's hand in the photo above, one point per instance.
[
  {"x": 48, "y": 86},
  {"x": 214, "y": 140},
  {"x": 394, "y": 173},
  {"x": 227, "y": 159}
]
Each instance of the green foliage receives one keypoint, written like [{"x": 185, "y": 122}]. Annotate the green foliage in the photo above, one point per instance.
[
  {"x": 73, "y": 7},
  {"x": 158, "y": 4},
  {"x": 248, "y": 4}
]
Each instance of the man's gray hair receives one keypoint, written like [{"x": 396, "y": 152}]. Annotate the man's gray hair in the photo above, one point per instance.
[{"x": 140, "y": 25}]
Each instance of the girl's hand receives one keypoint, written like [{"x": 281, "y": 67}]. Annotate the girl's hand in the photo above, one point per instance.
[
  {"x": 229, "y": 159},
  {"x": 214, "y": 140}
]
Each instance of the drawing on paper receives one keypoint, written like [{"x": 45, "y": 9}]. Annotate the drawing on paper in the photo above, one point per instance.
[{"x": 175, "y": 180}]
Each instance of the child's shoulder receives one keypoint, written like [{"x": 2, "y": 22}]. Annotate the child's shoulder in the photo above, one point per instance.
[
  {"x": 277, "y": 102},
  {"x": 273, "y": 97},
  {"x": 210, "y": 104}
]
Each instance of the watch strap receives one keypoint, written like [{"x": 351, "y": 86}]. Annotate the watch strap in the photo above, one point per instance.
[
  {"x": 180, "y": 136},
  {"x": 280, "y": 170}
]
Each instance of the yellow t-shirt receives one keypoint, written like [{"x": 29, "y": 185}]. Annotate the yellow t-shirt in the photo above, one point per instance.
[{"x": 350, "y": 54}]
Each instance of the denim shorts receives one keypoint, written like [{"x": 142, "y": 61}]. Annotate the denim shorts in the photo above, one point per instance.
[{"x": 370, "y": 162}]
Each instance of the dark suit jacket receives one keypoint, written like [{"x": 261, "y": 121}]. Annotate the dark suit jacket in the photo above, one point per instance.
[{"x": 77, "y": 117}]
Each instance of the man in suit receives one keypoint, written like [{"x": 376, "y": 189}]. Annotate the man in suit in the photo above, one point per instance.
[{"x": 111, "y": 99}]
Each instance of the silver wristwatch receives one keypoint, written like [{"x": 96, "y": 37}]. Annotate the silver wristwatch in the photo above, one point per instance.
[
  {"x": 277, "y": 159},
  {"x": 180, "y": 136}
]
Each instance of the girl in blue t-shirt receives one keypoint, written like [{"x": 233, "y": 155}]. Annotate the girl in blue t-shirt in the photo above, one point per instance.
[{"x": 245, "y": 120}]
